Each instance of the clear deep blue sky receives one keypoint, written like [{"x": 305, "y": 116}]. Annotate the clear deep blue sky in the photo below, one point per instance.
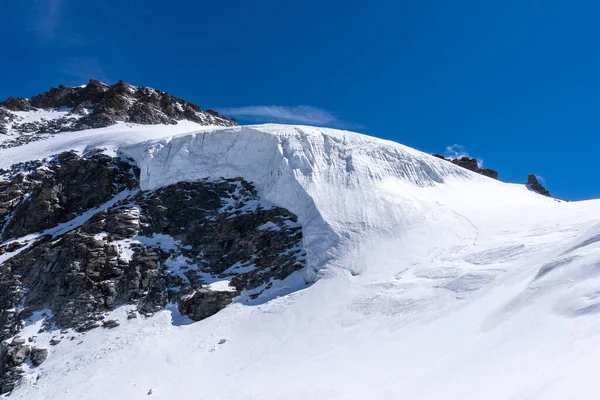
[{"x": 515, "y": 83}]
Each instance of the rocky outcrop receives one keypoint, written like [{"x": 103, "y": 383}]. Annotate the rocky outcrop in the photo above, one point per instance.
[
  {"x": 12, "y": 356},
  {"x": 38, "y": 356},
  {"x": 203, "y": 303},
  {"x": 149, "y": 249},
  {"x": 533, "y": 184},
  {"x": 471, "y": 164},
  {"x": 69, "y": 186},
  {"x": 95, "y": 105},
  {"x": 194, "y": 214},
  {"x": 78, "y": 275}
]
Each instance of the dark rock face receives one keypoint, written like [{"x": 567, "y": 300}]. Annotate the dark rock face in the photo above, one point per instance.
[
  {"x": 193, "y": 213},
  {"x": 534, "y": 185},
  {"x": 38, "y": 356},
  {"x": 471, "y": 164},
  {"x": 97, "y": 105},
  {"x": 16, "y": 104},
  {"x": 82, "y": 273},
  {"x": 149, "y": 249},
  {"x": 203, "y": 303},
  {"x": 15, "y": 185},
  {"x": 68, "y": 187}
]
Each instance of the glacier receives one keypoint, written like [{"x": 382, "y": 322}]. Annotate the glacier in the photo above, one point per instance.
[
  {"x": 428, "y": 281},
  {"x": 338, "y": 183}
]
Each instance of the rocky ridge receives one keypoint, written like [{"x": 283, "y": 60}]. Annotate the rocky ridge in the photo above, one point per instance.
[
  {"x": 81, "y": 239},
  {"x": 534, "y": 184},
  {"x": 95, "y": 105},
  {"x": 471, "y": 164}
]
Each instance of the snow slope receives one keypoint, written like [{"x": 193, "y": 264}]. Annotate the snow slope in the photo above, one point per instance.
[
  {"x": 431, "y": 282},
  {"x": 110, "y": 138},
  {"x": 340, "y": 184}
]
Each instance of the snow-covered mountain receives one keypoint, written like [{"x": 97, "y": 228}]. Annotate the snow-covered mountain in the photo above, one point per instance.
[
  {"x": 95, "y": 105},
  {"x": 286, "y": 262}
]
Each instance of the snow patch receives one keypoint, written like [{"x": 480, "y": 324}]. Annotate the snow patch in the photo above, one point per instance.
[{"x": 221, "y": 286}]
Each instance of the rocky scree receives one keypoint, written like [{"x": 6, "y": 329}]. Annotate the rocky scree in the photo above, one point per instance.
[{"x": 149, "y": 249}]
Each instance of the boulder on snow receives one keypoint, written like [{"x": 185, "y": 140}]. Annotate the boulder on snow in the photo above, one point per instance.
[
  {"x": 205, "y": 302},
  {"x": 111, "y": 323},
  {"x": 38, "y": 356}
]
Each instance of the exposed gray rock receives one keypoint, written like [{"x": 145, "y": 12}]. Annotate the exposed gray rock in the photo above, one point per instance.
[
  {"x": 9, "y": 378},
  {"x": 20, "y": 354},
  {"x": 203, "y": 303},
  {"x": 87, "y": 326},
  {"x": 111, "y": 323},
  {"x": 16, "y": 104},
  {"x": 11, "y": 357},
  {"x": 38, "y": 356},
  {"x": 190, "y": 212},
  {"x": 18, "y": 341}
]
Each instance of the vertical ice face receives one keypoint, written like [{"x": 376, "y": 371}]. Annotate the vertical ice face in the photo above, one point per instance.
[{"x": 346, "y": 188}]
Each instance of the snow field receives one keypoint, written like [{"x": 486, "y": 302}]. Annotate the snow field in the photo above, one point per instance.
[{"x": 430, "y": 282}]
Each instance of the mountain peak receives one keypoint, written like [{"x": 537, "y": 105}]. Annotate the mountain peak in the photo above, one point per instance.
[
  {"x": 534, "y": 184},
  {"x": 97, "y": 105},
  {"x": 471, "y": 164}
]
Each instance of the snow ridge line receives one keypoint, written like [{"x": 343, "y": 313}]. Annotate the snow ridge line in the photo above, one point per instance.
[{"x": 326, "y": 177}]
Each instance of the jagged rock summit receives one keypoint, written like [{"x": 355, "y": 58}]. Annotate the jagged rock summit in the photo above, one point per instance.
[
  {"x": 534, "y": 184},
  {"x": 95, "y": 105},
  {"x": 471, "y": 164}
]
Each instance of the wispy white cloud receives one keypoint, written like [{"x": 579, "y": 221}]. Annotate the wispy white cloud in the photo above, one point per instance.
[
  {"x": 456, "y": 151},
  {"x": 293, "y": 114},
  {"x": 459, "y": 151},
  {"x": 49, "y": 15}
]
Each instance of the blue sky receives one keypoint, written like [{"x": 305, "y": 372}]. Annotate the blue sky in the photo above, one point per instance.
[{"x": 514, "y": 83}]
